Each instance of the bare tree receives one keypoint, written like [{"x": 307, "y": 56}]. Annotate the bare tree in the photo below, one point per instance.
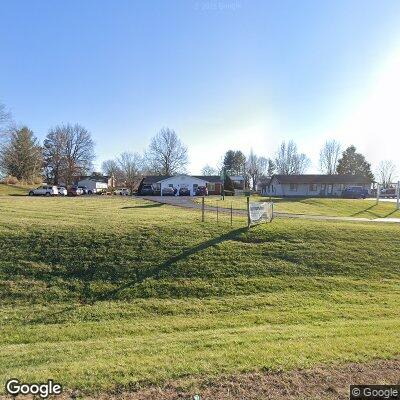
[
  {"x": 207, "y": 170},
  {"x": 68, "y": 153},
  {"x": 54, "y": 159},
  {"x": 5, "y": 121},
  {"x": 5, "y": 116},
  {"x": 112, "y": 168},
  {"x": 288, "y": 161},
  {"x": 79, "y": 151},
  {"x": 256, "y": 167},
  {"x": 166, "y": 155},
  {"x": 329, "y": 157},
  {"x": 21, "y": 156},
  {"x": 386, "y": 172},
  {"x": 131, "y": 167}
]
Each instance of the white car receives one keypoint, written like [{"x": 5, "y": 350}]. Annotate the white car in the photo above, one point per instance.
[
  {"x": 122, "y": 192},
  {"x": 62, "y": 191},
  {"x": 44, "y": 190}
]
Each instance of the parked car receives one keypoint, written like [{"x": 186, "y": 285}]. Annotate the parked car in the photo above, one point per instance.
[
  {"x": 388, "y": 193},
  {"x": 85, "y": 190},
  {"x": 201, "y": 191},
  {"x": 168, "y": 191},
  {"x": 147, "y": 190},
  {"x": 44, "y": 190},
  {"x": 62, "y": 191},
  {"x": 354, "y": 192},
  {"x": 184, "y": 191},
  {"x": 123, "y": 192},
  {"x": 75, "y": 191}
]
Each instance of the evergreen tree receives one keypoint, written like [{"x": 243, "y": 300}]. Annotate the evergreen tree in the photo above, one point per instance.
[
  {"x": 21, "y": 156},
  {"x": 353, "y": 163},
  {"x": 234, "y": 162}
]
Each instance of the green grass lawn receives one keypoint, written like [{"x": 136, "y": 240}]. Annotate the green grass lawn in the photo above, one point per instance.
[
  {"x": 315, "y": 206},
  {"x": 99, "y": 293},
  {"x": 13, "y": 190}
]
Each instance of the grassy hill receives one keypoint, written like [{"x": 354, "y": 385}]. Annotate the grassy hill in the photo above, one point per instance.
[
  {"x": 13, "y": 190},
  {"x": 106, "y": 292},
  {"x": 315, "y": 206}
]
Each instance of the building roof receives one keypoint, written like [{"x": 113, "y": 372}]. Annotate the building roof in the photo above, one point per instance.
[
  {"x": 200, "y": 178},
  {"x": 150, "y": 179},
  {"x": 209, "y": 178},
  {"x": 324, "y": 179},
  {"x": 94, "y": 178}
]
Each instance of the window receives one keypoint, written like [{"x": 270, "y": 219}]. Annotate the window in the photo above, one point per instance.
[
  {"x": 171, "y": 185},
  {"x": 293, "y": 187},
  {"x": 313, "y": 187},
  {"x": 211, "y": 187}
]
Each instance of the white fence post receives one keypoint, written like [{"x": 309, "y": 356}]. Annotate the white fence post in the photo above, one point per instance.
[
  {"x": 378, "y": 192},
  {"x": 398, "y": 195}
]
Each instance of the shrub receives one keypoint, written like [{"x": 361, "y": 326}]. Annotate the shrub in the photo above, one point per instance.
[{"x": 10, "y": 180}]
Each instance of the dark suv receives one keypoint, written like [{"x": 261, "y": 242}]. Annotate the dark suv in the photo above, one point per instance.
[
  {"x": 74, "y": 191},
  {"x": 184, "y": 191},
  {"x": 201, "y": 191},
  {"x": 355, "y": 192},
  {"x": 147, "y": 190}
]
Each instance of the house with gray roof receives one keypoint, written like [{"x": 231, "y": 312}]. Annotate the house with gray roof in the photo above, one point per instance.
[{"x": 313, "y": 185}]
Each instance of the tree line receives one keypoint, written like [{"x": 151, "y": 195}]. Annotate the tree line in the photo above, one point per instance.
[
  {"x": 68, "y": 151},
  {"x": 289, "y": 161}
]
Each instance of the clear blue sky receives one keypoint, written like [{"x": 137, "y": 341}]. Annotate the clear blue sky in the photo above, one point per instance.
[{"x": 224, "y": 74}]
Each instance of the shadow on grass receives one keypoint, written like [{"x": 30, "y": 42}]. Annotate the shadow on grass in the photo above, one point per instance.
[
  {"x": 144, "y": 206},
  {"x": 88, "y": 298},
  {"x": 156, "y": 272},
  {"x": 388, "y": 215},
  {"x": 367, "y": 210},
  {"x": 374, "y": 214},
  {"x": 48, "y": 318}
]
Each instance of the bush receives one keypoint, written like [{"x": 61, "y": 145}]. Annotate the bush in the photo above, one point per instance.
[{"x": 10, "y": 180}]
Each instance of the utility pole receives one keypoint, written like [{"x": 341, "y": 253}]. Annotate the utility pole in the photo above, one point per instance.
[{"x": 398, "y": 195}]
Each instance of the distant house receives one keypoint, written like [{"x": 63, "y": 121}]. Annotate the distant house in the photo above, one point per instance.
[
  {"x": 312, "y": 185},
  {"x": 239, "y": 181},
  {"x": 95, "y": 183},
  {"x": 191, "y": 182}
]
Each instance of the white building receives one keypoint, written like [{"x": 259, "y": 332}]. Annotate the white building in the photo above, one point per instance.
[
  {"x": 213, "y": 183},
  {"x": 313, "y": 185},
  {"x": 93, "y": 184},
  {"x": 182, "y": 181}
]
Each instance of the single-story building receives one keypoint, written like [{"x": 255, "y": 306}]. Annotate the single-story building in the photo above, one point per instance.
[
  {"x": 313, "y": 185},
  {"x": 192, "y": 182},
  {"x": 95, "y": 183},
  {"x": 239, "y": 181}
]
